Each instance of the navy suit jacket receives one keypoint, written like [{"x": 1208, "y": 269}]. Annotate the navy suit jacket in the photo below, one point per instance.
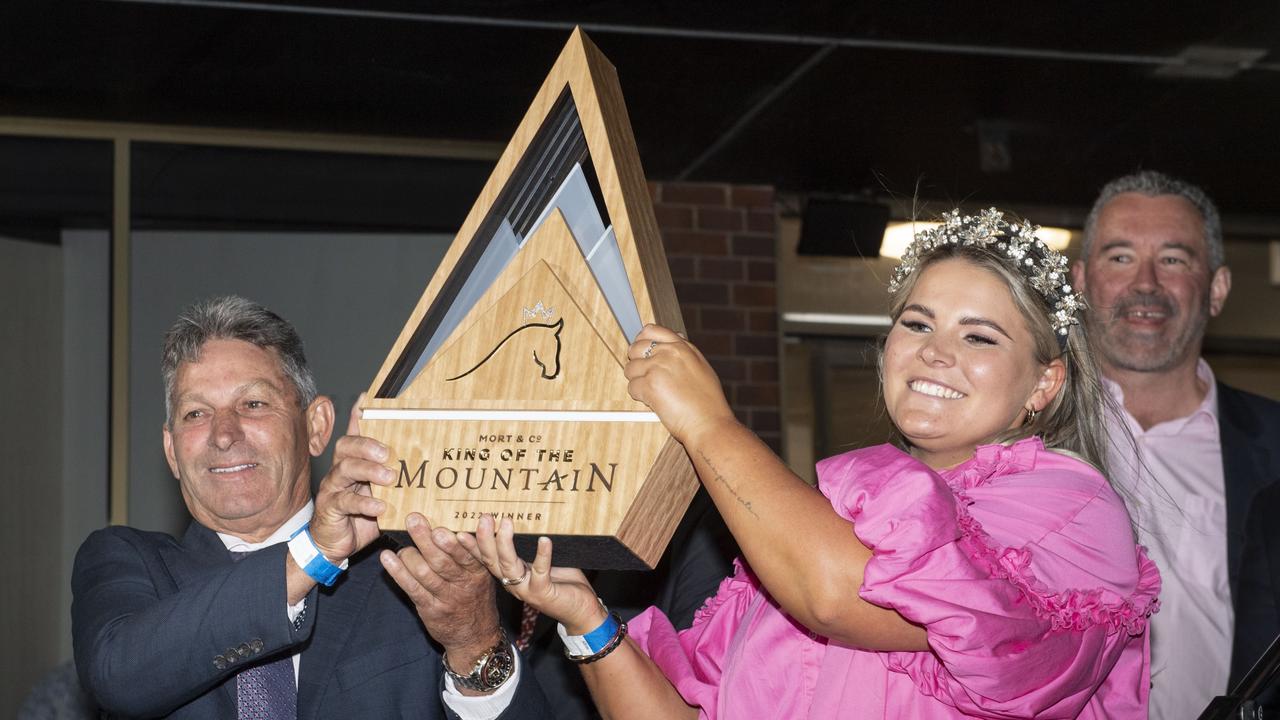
[
  {"x": 152, "y": 615},
  {"x": 1250, "y": 432}
]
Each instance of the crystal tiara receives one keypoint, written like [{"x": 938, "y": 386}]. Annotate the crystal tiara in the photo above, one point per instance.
[{"x": 1044, "y": 268}]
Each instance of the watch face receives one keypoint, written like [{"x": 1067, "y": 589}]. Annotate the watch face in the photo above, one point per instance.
[{"x": 497, "y": 669}]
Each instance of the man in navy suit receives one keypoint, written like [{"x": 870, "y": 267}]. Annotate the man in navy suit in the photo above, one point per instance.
[
  {"x": 1191, "y": 453},
  {"x": 272, "y": 604}
]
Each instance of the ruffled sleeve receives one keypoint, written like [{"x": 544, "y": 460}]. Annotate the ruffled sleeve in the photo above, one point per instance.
[
  {"x": 1005, "y": 640},
  {"x": 693, "y": 660}
]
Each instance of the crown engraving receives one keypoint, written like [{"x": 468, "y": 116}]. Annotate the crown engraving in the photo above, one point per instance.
[{"x": 539, "y": 311}]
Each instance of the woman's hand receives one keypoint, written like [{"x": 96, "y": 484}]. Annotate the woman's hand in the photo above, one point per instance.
[
  {"x": 562, "y": 594},
  {"x": 625, "y": 684},
  {"x": 667, "y": 373}
]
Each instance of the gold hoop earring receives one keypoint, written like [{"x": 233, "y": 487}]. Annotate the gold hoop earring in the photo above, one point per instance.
[{"x": 1031, "y": 414}]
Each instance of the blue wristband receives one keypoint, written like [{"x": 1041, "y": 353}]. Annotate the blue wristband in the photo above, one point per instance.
[
  {"x": 311, "y": 560},
  {"x": 594, "y": 641},
  {"x": 584, "y": 649},
  {"x": 597, "y": 639}
]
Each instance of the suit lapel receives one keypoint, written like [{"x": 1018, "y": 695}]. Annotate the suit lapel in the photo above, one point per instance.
[
  {"x": 200, "y": 549},
  {"x": 338, "y": 611},
  {"x": 1245, "y": 469}
]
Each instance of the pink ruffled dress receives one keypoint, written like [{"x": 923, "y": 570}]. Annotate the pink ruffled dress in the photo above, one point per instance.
[{"x": 1019, "y": 563}]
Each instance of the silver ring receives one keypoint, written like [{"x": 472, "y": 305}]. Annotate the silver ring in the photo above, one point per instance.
[
  {"x": 508, "y": 582},
  {"x": 648, "y": 352}
]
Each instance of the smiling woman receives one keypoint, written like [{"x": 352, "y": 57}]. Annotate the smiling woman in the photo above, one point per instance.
[
  {"x": 959, "y": 365},
  {"x": 1006, "y": 327},
  {"x": 982, "y": 567}
]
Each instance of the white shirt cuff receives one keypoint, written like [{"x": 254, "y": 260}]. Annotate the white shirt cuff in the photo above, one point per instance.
[
  {"x": 295, "y": 609},
  {"x": 483, "y": 707}
]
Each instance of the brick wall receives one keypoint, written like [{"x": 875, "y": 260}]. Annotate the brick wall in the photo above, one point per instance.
[{"x": 721, "y": 242}]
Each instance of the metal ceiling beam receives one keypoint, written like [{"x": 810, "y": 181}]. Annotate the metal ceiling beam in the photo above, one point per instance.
[
  {"x": 746, "y": 117},
  {"x": 243, "y": 137},
  {"x": 696, "y": 34}
]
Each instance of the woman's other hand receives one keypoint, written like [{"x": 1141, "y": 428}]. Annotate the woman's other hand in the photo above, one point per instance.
[
  {"x": 667, "y": 373},
  {"x": 562, "y": 594}
]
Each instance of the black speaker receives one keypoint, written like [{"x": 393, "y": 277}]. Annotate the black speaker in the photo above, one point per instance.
[{"x": 843, "y": 228}]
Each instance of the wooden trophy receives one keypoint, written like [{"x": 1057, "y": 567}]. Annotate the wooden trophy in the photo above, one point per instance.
[{"x": 505, "y": 392}]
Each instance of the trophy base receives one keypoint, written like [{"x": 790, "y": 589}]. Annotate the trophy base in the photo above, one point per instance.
[{"x": 587, "y": 552}]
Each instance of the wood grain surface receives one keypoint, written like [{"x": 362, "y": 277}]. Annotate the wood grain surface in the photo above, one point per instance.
[{"x": 542, "y": 338}]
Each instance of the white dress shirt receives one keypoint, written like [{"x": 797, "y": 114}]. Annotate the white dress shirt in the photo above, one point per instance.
[
  {"x": 1172, "y": 474},
  {"x": 485, "y": 707}
]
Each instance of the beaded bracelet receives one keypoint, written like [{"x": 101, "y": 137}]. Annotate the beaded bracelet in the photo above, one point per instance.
[{"x": 609, "y": 647}]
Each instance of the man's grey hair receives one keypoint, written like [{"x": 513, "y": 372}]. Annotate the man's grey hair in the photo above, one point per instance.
[
  {"x": 1153, "y": 183},
  {"x": 233, "y": 318}
]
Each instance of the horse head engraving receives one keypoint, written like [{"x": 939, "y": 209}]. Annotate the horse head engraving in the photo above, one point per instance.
[
  {"x": 551, "y": 368},
  {"x": 546, "y": 348}
]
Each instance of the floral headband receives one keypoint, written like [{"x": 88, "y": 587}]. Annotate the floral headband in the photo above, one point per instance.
[{"x": 1044, "y": 268}]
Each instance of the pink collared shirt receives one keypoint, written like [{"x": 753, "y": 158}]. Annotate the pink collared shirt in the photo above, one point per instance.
[{"x": 1172, "y": 474}]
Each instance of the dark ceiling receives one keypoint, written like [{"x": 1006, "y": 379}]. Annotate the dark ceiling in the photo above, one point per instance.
[{"x": 1011, "y": 102}]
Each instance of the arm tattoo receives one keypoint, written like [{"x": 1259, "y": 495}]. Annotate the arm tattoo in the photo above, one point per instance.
[{"x": 715, "y": 472}]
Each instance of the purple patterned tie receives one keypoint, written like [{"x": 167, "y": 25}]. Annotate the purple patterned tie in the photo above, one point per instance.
[{"x": 267, "y": 691}]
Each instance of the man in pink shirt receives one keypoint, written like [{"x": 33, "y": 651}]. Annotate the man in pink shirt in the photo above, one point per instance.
[{"x": 1152, "y": 270}]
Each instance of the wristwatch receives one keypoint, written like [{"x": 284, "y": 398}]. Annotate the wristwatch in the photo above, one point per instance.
[{"x": 491, "y": 669}]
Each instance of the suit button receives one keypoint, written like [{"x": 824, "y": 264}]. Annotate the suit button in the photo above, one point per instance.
[
  {"x": 220, "y": 662},
  {"x": 256, "y": 645}
]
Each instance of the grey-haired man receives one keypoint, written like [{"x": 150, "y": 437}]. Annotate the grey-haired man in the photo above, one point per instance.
[
  {"x": 272, "y": 604},
  {"x": 1153, "y": 272}
]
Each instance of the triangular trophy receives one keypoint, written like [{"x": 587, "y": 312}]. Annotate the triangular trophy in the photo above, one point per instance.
[{"x": 504, "y": 393}]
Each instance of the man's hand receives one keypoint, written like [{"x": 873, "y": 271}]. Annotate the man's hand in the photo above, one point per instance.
[
  {"x": 452, "y": 591},
  {"x": 346, "y": 516}
]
